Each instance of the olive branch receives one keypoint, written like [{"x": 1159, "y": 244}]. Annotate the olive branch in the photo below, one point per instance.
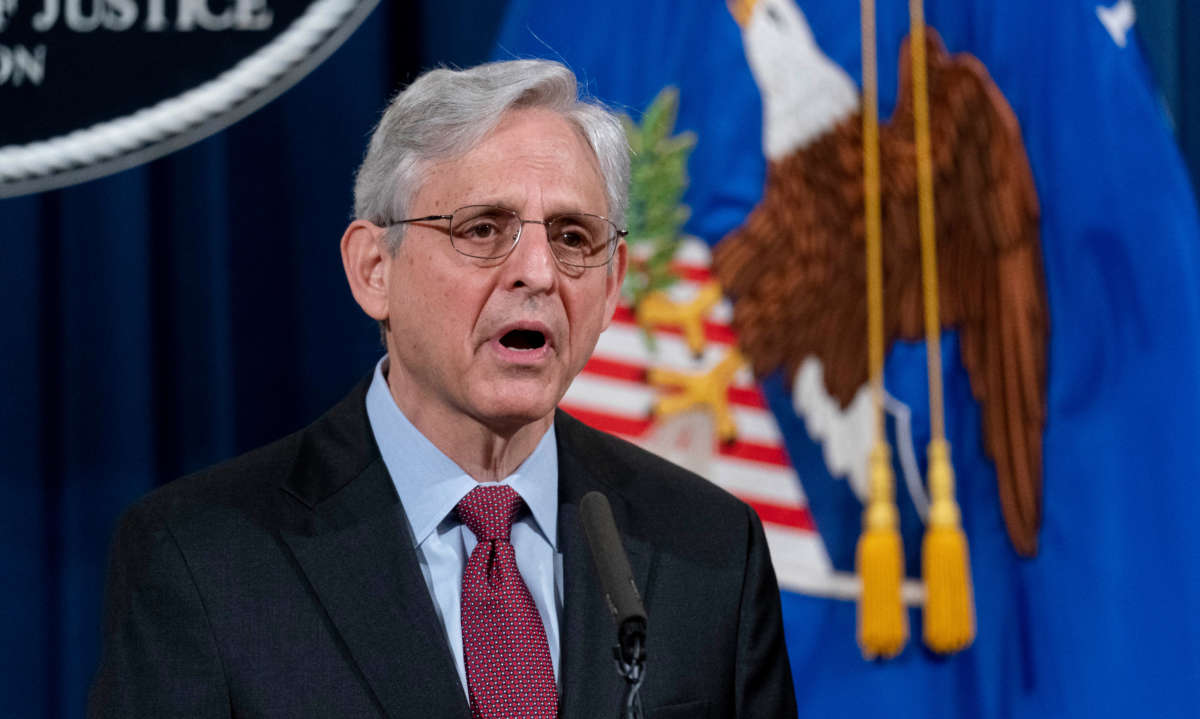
[{"x": 658, "y": 179}]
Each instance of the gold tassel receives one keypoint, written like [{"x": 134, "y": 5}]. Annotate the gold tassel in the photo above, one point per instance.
[
  {"x": 882, "y": 618},
  {"x": 949, "y": 605},
  {"x": 949, "y": 602}
]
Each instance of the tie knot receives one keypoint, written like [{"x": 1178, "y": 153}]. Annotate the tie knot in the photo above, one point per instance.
[{"x": 489, "y": 511}]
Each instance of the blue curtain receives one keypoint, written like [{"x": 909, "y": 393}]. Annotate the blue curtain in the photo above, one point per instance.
[
  {"x": 1169, "y": 31},
  {"x": 178, "y": 313},
  {"x": 173, "y": 315},
  {"x": 157, "y": 321}
]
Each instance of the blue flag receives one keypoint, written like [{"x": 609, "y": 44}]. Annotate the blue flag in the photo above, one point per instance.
[{"x": 1102, "y": 620}]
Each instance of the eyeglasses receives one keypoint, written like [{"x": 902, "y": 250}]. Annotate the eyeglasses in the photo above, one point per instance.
[{"x": 486, "y": 232}]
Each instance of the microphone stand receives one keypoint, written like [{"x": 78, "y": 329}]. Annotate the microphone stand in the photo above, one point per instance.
[
  {"x": 621, "y": 594},
  {"x": 630, "y": 656}
]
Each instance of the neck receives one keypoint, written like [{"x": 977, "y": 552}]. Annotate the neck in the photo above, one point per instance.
[
  {"x": 487, "y": 452},
  {"x": 488, "y": 455}
]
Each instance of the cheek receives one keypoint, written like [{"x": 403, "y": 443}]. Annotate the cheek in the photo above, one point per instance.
[
  {"x": 423, "y": 287},
  {"x": 586, "y": 312}
]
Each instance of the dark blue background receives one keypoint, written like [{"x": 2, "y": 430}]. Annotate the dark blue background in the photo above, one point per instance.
[{"x": 172, "y": 315}]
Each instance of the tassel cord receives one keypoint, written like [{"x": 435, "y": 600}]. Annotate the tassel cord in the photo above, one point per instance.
[
  {"x": 929, "y": 274},
  {"x": 882, "y": 618}
]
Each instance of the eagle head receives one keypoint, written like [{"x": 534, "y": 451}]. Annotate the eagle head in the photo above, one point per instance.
[{"x": 804, "y": 93}]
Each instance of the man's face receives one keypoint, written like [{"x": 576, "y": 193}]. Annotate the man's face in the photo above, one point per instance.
[{"x": 498, "y": 341}]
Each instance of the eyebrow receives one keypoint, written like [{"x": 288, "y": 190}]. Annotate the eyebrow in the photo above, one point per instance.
[
  {"x": 511, "y": 207},
  {"x": 545, "y": 218}
]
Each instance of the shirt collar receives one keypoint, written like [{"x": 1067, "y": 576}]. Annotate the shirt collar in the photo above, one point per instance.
[{"x": 430, "y": 484}]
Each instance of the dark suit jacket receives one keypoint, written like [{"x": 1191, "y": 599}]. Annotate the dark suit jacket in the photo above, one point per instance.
[{"x": 284, "y": 583}]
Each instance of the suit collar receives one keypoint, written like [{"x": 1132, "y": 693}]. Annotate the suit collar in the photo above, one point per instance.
[
  {"x": 355, "y": 550},
  {"x": 334, "y": 451}
]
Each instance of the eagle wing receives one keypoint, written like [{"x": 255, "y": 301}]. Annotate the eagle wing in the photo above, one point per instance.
[
  {"x": 991, "y": 282},
  {"x": 796, "y": 265}
]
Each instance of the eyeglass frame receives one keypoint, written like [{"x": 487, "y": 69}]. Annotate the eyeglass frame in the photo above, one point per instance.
[{"x": 613, "y": 241}]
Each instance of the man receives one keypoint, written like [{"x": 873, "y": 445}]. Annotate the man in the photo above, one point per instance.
[{"x": 416, "y": 552}]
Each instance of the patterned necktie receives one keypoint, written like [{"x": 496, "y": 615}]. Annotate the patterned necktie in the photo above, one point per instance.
[{"x": 509, "y": 672}]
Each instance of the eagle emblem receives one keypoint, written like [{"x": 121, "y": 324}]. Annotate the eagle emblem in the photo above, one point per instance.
[{"x": 796, "y": 267}]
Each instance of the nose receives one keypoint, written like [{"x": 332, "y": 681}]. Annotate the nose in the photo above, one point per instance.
[{"x": 531, "y": 265}]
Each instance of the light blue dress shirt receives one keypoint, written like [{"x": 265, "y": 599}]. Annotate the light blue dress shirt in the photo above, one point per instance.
[{"x": 430, "y": 484}]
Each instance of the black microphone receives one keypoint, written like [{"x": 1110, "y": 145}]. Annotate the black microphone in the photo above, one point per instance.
[{"x": 616, "y": 578}]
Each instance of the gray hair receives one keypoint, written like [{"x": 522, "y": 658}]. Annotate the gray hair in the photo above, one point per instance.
[{"x": 444, "y": 113}]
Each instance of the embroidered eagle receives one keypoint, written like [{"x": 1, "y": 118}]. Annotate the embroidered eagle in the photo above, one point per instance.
[{"x": 796, "y": 266}]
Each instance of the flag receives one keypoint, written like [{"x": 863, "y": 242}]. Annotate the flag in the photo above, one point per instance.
[{"x": 1102, "y": 620}]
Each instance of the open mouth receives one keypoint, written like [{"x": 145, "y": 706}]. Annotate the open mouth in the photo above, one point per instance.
[{"x": 523, "y": 340}]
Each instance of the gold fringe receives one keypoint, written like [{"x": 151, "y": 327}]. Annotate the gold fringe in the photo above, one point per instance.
[{"x": 882, "y": 618}]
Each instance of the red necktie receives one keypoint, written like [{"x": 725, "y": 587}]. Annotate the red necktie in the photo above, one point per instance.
[{"x": 509, "y": 672}]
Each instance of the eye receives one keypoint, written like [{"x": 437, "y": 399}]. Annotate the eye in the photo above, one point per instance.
[
  {"x": 482, "y": 225},
  {"x": 481, "y": 229},
  {"x": 573, "y": 233},
  {"x": 574, "y": 240}
]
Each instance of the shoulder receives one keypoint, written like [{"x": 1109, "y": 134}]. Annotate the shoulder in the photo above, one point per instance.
[
  {"x": 659, "y": 493},
  {"x": 631, "y": 469},
  {"x": 246, "y": 488},
  {"x": 275, "y": 485}
]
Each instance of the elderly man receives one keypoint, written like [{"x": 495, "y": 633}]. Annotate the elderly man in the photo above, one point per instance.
[{"x": 416, "y": 552}]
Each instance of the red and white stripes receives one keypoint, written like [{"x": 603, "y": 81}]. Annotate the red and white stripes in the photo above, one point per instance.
[{"x": 612, "y": 394}]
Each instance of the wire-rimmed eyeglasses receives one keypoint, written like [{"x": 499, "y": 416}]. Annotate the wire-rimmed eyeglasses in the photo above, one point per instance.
[{"x": 487, "y": 232}]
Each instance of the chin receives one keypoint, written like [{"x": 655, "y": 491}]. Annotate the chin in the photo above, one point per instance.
[{"x": 513, "y": 411}]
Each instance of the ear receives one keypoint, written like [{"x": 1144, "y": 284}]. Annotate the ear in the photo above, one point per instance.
[
  {"x": 366, "y": 261},
  {"x": 614, "y": 281}
]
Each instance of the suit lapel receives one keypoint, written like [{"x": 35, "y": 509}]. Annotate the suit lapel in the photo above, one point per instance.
[
  {"x": 355, "y": 549},
  {"x": 356, "y": 552},
  {"x": 591, "y": 686}
]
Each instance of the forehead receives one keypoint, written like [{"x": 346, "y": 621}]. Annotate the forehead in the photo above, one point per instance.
[{"x": 533, "y": 159}]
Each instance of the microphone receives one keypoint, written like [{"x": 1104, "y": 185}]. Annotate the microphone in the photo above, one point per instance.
[
  {"x": 616, "y": 578},
  {"x": 621, "y": 594}
]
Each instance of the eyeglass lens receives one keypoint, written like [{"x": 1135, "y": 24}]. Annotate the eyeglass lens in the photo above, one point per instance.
[{"x": 487, "y": 232}]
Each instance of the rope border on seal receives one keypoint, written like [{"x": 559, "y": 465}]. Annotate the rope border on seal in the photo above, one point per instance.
[{"x": 111, "y": 139}]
